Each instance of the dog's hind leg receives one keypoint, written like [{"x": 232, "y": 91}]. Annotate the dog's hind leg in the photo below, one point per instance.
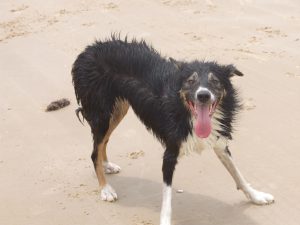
[
  {"x": 257, "y": 197},
  {"x": 119, "y": 111},
  {"x": 101, "y": 133}
]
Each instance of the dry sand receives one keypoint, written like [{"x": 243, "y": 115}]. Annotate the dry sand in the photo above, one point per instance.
[{"x": 45, "y": 169}]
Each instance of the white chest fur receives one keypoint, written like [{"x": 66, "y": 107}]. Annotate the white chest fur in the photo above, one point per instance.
[{"x": 196, "y": 144}]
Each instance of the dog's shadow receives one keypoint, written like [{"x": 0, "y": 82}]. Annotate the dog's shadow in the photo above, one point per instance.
[{"x": 188, "y": 208}]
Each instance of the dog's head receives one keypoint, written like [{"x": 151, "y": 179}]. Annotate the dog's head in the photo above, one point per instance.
[{"x": 203, "y": 86}]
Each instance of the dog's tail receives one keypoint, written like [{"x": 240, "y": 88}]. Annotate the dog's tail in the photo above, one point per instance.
[{"x": 77, "y": 111}]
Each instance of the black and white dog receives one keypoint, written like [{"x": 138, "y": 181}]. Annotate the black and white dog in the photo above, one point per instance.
[{"x": 189, "y": 106}]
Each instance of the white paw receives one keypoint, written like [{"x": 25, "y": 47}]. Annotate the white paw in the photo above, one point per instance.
[
  {"x": 108, "y": 194},
  {"x": 111, "y": 168},
  {"x": 260, "y": 198}
]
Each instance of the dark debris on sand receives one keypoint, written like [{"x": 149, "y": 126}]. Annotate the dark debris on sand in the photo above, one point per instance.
[{"x": 58, "y": 104}]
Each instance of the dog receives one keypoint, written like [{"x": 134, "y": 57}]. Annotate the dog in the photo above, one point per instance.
[{"x": 188, "y": 106}]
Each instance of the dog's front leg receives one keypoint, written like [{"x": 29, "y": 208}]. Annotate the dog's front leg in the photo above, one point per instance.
[
  {"x": 169, "y": 163},
  {"x": 257, "y": 197}
]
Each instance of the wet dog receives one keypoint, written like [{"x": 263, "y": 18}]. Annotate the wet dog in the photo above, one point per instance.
[{"x": 189, "y": 106}]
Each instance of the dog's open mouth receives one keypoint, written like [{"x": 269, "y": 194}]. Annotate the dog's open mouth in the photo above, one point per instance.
[{"x": 203, "y": 114}]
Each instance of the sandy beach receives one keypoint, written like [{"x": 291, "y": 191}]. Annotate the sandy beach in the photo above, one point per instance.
[{"x": 46, "y": 173}]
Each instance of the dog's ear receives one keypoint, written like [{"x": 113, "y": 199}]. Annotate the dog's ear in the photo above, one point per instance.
[
  {"x": 231, "y": 71},
  {"x": 176, "y": 63}
]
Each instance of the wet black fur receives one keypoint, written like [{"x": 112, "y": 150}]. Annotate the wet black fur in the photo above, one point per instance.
[{"x": 133, "y": 70}]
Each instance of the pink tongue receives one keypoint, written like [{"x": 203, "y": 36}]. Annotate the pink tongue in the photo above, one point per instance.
[{"x": 203, "y": 123}]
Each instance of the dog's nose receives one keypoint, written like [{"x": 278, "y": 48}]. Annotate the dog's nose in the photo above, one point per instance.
[{"x": 203, "y": 96}]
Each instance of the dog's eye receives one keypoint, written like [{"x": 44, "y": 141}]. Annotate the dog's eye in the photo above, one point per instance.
[
  {"x": 191, "y": 81},
  {"x": 215, "y": 81}
]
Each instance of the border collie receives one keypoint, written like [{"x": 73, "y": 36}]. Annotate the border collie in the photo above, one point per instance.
[{"x": 189, "y": 106}]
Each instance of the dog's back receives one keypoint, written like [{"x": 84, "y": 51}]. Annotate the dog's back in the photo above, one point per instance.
[{"x": 104, "y": 62}]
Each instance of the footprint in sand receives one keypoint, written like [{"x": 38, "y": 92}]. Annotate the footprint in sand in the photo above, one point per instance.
[
  {"x": 193, "y": 36},
  {"x": 197, "y": 37},
  {"x": 135, "y": 155},
  {"x": 254, "y": 39},
  {"x": 248, "y": 104},
  {"x": 89, "y": 24},
  {"x": 138, "y": 221},
  {"x": 19, "y": 8},
  {"x": 110, "y": 6},
  {"x": 289, "y": 74},
  {"x": 271, "y": 32},
  {"x": 241, "y": 50},
  {"x": 11, "y": 29}
]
